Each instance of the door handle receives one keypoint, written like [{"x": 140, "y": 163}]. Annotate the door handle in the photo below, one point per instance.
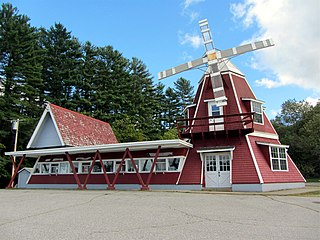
[{"x": 219, "y": 174}]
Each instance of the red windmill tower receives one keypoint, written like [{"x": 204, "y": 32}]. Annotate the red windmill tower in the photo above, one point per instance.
[{"x": 235, "y": 145}]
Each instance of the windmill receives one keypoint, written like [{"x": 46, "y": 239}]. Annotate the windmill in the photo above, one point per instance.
[{"x": 213, "y": 59}]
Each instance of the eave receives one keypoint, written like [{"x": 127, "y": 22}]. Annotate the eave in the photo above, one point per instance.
[{"x": 117, "y": 147}]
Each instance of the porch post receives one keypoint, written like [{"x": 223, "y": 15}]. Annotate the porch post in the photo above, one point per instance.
[
  {"x": 90, "y": 170},
  {"x": 143, "y": 186},
  {"x": 74, "y": 171},
  {"x": 153, "y": 165},
  {"x": 10, "y": 185},
  {"x": 111, "y": 187}
]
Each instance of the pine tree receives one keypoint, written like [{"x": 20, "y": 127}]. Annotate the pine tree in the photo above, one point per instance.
[
  {"x": 61, "y": 66},
  {"x": 185, "y": 93},
  {"x": 20, "y": 77}
]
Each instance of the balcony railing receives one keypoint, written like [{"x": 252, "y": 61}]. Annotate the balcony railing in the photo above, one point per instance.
[{"x": 215, "y": 123}]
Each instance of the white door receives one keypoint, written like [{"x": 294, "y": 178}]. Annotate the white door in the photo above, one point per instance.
[
  {"x": 215, "y": 111},
  {"x": 217, "y": 168}
]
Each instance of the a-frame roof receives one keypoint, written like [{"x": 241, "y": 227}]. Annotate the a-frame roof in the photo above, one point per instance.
[{"x": 60, "y": 127}]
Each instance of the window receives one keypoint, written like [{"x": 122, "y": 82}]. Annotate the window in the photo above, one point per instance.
[
  {"x": 109, "y": 166},
  {"x": 161, "y": 165},
  {"x": 123, "y": 169},
  {"x": 63, "y": 169},
  {"x": 54, "y": 168},
  {"x": 131, "y": 167},
  {"x": 37, "y": 168},
  {"x": 278, "y": 159},
  {"x": 173, "y": 164},
  {"x": 85, "y": 167},
  {"x": 146, "y": 165},
  {"x": 224, "y": 163},
  {"x": 97, "y": 168},
  {"x": 76, "y": 166},
  {"x": 211, "y": 163},
  {"x": 256, "y": 107},
  {"x": 45, "y": 168},
  {"x": 215, "y": 110}
]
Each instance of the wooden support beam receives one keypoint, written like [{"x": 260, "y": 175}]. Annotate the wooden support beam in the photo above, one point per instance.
[
  {"x": 104, "y": 170},
  {"x": 90, "y": 170},
  {"x": 153, "y": 165},
  {"x": 111, "y": 187},
  {"x": 143, "y": 186},
  {"x": 10, "y": 185},
  {"x": 75, "y": 175}
]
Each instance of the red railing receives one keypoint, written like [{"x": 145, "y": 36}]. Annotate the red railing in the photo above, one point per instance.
[{"x": 216, "y": 123}]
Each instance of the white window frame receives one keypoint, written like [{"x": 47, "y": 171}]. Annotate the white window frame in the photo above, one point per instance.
[
  {"x": 260, "y": 113},
  {"x": 278, "y": 158},
  {"x": 113, "y": 165},
  {"x": 114, "y": 161}
]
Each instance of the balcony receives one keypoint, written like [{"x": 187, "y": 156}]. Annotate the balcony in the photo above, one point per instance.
[{"x": 214, "y": 125}]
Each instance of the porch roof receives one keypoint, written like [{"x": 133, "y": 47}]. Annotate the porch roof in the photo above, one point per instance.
[{"x": 117, "y": 147}]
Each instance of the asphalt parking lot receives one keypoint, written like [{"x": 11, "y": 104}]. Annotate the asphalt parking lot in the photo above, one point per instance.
[{"x": 63, "y": 214}]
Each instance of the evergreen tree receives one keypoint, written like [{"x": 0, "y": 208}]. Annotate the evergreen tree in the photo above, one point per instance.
[
  {"x": 185, "y": 93},
  {"x": 61, "y": 65},
  {"x": 172, "y": 108},
  {"x": 20, "y": 77}
]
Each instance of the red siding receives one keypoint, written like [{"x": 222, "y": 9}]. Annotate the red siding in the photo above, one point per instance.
[
  {"x": 243, "y": 169},
  {"x": 127, "y": 178},
  {"x": 191, "y": 173},
  {"x": 269, "y": 176}
]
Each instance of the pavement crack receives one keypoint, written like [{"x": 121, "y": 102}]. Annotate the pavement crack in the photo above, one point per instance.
[{"x": 293, "y": 204}]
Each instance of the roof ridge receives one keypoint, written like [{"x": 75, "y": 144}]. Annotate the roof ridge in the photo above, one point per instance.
[{"x": 68, "y": 110}]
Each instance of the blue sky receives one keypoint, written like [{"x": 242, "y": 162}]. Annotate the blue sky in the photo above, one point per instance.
[{"x": 165, "y": 33}]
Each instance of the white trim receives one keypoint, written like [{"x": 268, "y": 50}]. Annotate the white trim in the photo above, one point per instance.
[
  {"x": 43, "y": 116},
  {"x": 253, "y": 100},
  {"x": 264, "y": 135},
  {"x": 182, "y": 166},
  {"x": 260, "y": 113},
  {"x": 199, "y": 101},
  {"x": 272, "y": 144},
  {"x": 296, "y": 168},
  {"x": 56, "y": 126},
  {"x": 116, "y": 147},
  {"x": 236, "y": 97},
  {"x": 216, "y": 150},
  {"x": 278, "y": 159},
  {"x": 254, "y": 159}
]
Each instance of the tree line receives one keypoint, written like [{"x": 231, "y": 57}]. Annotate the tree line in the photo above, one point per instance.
[
  {"x": 298, "y": 125},
  {"x": 39, "y": 65}
]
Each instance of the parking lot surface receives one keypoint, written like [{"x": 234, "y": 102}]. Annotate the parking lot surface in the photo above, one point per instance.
[{"x": 71, "y": 214}]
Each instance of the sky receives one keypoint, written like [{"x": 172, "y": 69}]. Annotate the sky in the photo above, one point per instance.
[{"x": 165, "y": 33}]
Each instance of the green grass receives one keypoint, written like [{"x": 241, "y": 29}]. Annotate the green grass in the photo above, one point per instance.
[
  {"x": 308, "y": 194},
  {"x": 313, "y": 179}
]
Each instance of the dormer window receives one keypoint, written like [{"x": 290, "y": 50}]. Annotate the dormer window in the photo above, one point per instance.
[{"x": 256, "y": 107}]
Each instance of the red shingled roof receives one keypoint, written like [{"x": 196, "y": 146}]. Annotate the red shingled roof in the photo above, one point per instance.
[{"x": 79, "y": 130}]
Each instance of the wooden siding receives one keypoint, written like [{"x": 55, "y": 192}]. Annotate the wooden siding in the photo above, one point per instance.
[
  {"x": 126, "y": 178},
  {"x": 269, "y": 176}
]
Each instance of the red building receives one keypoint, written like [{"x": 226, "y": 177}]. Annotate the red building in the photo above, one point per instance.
[{"x": 226, "y": 141}]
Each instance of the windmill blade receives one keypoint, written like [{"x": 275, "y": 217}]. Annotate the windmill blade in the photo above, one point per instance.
[
  {"x": 181, "y": 68},
  {"x": 244, "y": 48}
]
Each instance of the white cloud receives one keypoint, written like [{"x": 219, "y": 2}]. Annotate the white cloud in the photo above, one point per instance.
[
  {"x": 294, "y": 27},
  {"x": 312, "y": 101},
  {"x": 190, "y": 39},
  {"x": 268, "y": 83},
  {"x": 187, "y": 3}
]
